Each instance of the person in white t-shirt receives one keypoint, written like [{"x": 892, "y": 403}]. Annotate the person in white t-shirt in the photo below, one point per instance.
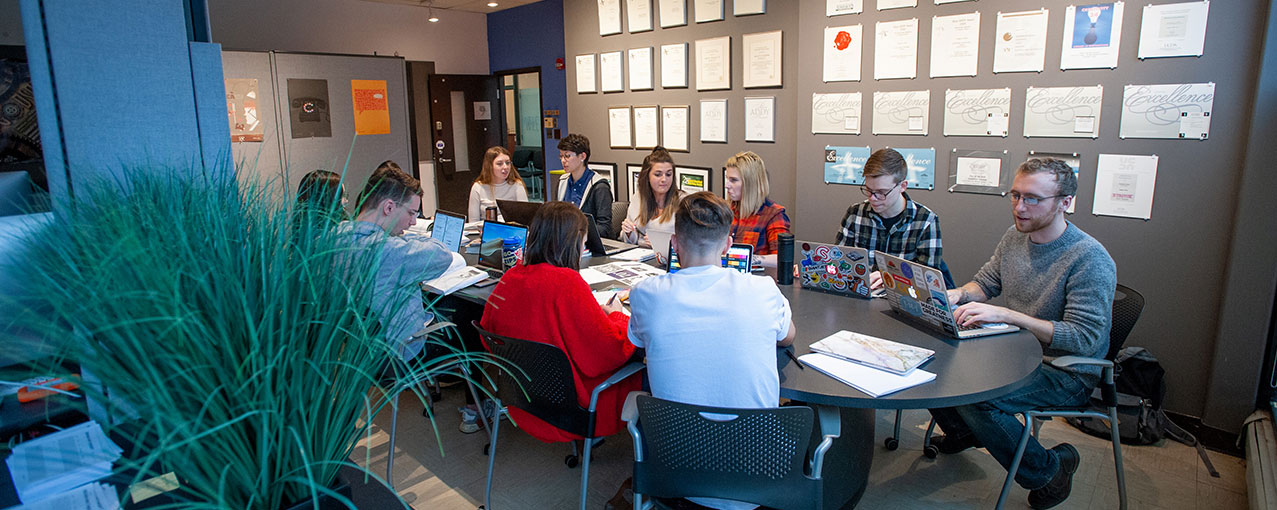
[
  {"x": 710, "y": 333},
  {"x": 498, "y": 180}
]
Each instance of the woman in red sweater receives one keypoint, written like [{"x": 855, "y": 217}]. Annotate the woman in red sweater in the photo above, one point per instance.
[{"x": 544, "y": 299}]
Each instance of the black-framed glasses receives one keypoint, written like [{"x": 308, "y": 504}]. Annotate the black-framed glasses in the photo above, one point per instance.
[
  {"x": 879, "y": 193},
  {"x": 1029, "y": 200}
]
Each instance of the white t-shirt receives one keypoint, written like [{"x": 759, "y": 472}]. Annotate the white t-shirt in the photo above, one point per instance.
[
  {"x": 710, "y": 334},
  {"x": 481, "y": 193}
]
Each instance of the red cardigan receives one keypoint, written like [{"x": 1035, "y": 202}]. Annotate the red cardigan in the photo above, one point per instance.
[{"x": 554, "y": 305}]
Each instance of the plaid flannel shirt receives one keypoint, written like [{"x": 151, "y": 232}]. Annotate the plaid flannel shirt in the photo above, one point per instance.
[
  {"x": 760, "y": 229},
  {"x": 916, "y": 237}
]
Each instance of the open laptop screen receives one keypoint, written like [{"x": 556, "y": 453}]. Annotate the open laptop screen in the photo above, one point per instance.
[
  {"x": 494, "y": 238},
  {"x": 447, "y": 229}
]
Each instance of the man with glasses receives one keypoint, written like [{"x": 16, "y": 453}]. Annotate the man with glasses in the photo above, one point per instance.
[
  {"x": 581, "y": 186},
  {"x": 1058, "y": 283},
  {"x": 889, "y": 221},
  {"x": 388, "y": 205}
]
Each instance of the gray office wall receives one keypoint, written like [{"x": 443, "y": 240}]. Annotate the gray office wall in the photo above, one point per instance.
[
  {"x": 1177, "y": 259},
  {"x": 280, "y": 158},
  {"x": 587, "y": 113}
]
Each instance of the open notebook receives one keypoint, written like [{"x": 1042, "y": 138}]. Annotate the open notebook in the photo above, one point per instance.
[{"x": 872, "y": 381}]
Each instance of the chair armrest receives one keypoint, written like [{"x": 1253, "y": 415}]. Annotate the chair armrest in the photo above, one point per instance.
[
  {"x": 630, "y": 411},
  {"x": 618, "y": 376},
  {"x": 829, "y": 420},
  {"x": 426, "y": 331},
  {"x": 1068, "y": 361}
]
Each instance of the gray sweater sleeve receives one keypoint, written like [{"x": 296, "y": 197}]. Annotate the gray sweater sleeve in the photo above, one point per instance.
[{"x": 1088, "y": 305}]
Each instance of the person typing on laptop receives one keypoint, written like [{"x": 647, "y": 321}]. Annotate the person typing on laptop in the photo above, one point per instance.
[
  {"x": 891, "y": 222},
  {"x": 388, "y": 205},
  {"x": 1058, "y": 283},
  {"x": 710, "y": 332}
]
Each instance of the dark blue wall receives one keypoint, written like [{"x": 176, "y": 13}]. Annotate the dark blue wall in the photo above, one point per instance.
[{"x": 532, "y": 36}]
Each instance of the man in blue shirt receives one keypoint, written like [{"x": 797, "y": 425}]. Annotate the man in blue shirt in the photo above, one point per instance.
[{"x": 583, "y": 188}]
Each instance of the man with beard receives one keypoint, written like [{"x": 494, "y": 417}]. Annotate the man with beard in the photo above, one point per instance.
[{"x": 1058, "y": 283}]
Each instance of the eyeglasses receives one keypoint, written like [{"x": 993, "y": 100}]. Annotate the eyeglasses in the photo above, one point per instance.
[
  {"x": 566, "y": 155},
  {"x": 1029, "y": 200},
  {"x": 879, "y": 193}
]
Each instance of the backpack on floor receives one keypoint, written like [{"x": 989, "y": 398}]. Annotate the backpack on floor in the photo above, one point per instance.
[{"x": 1140, "y": 381}]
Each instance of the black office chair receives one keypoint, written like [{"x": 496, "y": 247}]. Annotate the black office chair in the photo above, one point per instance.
[
  {"x": 1127, "y": 307},
  {"x": 757, "y": 455},
  {"x": 541, "y": 384},
  {"x": 619, "y": 210}
]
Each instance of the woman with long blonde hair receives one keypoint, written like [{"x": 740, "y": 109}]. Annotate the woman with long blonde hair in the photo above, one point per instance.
[
  {"x": 756, "y": 219},
  {"x": 497, "y": 181}
]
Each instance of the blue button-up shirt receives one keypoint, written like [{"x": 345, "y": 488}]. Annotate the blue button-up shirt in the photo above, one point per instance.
[{"x": 575, "y": 194}]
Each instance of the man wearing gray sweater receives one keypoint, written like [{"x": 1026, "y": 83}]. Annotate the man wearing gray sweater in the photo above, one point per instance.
[{"x": 1058, "y": 284}]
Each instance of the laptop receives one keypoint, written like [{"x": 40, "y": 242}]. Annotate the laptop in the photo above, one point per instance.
[
  {"x": 597, "y": 245},
  {"x": 492, "y": 241},
  {"x": 659, "y": 235},
  {"x": 738, "y": 257},
  {"x": 917, "y": 292},
  {"x": 831, "y": 268},
  {"x": 448, "y": 229},
  {"x": 514, "y": 211}
]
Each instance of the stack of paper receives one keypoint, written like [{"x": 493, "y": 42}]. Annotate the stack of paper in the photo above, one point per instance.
[
  {"x": 456, "y": 280},
  {"x": 635, "y": 255},
  {"x": 61, "y": 461},
  {"x": 893, "y": 357},
  {"x": 94, "y": 496},
  {"x": 872, "y": 381}
]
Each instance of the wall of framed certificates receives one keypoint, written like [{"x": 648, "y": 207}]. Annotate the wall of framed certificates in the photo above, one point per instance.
[
  {"x": 705, "y": 79},
  {"x": 1152, "y": 137}
]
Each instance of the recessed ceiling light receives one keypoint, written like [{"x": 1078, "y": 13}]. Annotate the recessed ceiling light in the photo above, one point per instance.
[
  {"x": 433, "y": 19},
  {"x": 492, "y": 4}
]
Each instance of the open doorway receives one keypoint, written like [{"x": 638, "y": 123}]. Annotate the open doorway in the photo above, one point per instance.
[{"x": 521, "y": 96}]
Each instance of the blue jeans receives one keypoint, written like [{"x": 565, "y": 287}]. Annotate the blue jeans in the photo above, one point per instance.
[{"x": 996, "y": 427}]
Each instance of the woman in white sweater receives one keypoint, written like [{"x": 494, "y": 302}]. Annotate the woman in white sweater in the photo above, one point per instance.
[
  {"x": 657, "y": 198},
  {"x": 497, "y": 181}
]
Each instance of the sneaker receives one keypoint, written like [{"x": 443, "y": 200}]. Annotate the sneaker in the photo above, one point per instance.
[
  {"x": 950, "y": 445},
  {"x": 1057, "y": 490},
  {"x": 469, "y": 420},
  {"x": 489, "y": 409}
]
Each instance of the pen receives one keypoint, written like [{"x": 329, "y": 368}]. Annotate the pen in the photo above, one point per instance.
[{"x": 795, "y": 358}]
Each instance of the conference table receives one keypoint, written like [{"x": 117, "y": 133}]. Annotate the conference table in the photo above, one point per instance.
[{"x": 967, "y": 371}]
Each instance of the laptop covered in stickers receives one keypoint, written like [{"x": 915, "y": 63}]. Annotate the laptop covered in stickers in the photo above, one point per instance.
[
  {"x": 916, "y": 292},
  {"x": 831, "y": 268}
]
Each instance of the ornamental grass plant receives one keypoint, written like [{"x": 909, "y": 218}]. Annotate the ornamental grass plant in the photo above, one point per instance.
[{"x": 233, "y": 335}]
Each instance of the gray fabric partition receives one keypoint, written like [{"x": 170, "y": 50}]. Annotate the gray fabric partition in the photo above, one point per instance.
[
  {"x": 1177, "y": 259},
  {"x": 282, "y": 158}
]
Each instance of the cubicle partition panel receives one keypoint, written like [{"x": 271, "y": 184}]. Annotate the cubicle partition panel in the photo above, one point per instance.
[{"x": 313, "y": 126}]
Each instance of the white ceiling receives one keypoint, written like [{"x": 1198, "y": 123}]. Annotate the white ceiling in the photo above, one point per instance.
[{"x": 480, "y": 6}]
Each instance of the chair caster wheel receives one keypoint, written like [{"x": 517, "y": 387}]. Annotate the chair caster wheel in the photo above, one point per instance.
[
  {"x": 572, "y": 461},
  {"x": 486, "y": 447},
  {"x": 930, "y": 452},
  {"x": 891, "y": 443}
]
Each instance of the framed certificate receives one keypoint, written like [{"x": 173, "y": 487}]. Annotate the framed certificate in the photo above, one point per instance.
[
  {"x": 675, "y": 134},
  {"x": 639, "y": 15},
  {"x": 619, "y": 128},
  {"x": 674, "y": 66},
  {"x": 612, "y": 71},
  {"x": 714, "y": 63},
  {"x": 760, "y": 119},
  {"x": 714, "y": 120},
  {"x": 762, "y": 59},
  {"x": 641, "y": 68},
  {"x": 646, "y": 127}
]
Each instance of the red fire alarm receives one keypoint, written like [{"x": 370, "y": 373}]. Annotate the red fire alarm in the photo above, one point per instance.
[{"x": 558, "y": 63}]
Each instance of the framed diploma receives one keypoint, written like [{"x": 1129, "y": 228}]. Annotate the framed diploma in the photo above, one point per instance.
[
  {"x": 760, "y": 119},
  {"x": 639, "y": 15},
  {"x": 708, "y": 10},
  {"x": 674, "y": 66},
  {"x": 714, "y": 120},
  {"x": 619, "y": 131},
  {"x": 646, "y": 127},
  {"x": 748, "y": 7},
  {"x": 612, "y": 71},
  {"x": 641, "y": 68},
  {"x": 762, "y": 59},
  {"x": 609, "y": 17},
  {"x": 673, "y": 13},
  {"x": 714, "y": 63},
  {"x": 675, "y": 134},
  {"x": 585, "y": 74}
]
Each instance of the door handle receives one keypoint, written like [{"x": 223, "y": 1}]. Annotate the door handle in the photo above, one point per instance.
[{"x": 445, "y": 160}]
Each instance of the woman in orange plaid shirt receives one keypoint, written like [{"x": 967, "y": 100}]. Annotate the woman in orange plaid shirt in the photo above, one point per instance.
[{"x": 757, "y": 220}]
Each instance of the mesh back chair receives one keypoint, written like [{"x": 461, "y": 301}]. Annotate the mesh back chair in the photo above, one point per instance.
[
  {"x": 541, "y": 384},
  {"x": 619, "y": 210},
  {"x": 1127, "y": 306},
  {"x": 755, "y": 455}
]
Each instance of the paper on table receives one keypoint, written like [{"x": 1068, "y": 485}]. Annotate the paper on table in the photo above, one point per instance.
[
  {"x": 872, "y": 381},
  {"x": 593, "y": 276},
  {"x": 94, "y": 496}
]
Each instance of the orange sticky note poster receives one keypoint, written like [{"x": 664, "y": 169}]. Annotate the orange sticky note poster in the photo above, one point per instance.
[{"x": 372, "y": 110}]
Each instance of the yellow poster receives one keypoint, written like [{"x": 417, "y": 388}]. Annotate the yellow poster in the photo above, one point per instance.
[{"x": 372, "y": 110}]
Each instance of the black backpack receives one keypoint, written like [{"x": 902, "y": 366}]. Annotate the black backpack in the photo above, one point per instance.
[{"x": 1140, "y": 381}]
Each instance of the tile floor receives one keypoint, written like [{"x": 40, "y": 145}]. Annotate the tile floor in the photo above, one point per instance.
[{"x": 448, "y": 470}]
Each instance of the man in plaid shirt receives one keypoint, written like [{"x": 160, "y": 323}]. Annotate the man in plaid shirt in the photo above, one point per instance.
[{"x": 889, "y": 221}]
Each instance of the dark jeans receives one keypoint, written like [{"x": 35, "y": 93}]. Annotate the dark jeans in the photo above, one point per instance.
[{"x": 995, "y": 425}]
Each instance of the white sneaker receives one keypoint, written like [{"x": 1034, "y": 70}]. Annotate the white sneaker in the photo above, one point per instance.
[{"x": 469, "y": 421}]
